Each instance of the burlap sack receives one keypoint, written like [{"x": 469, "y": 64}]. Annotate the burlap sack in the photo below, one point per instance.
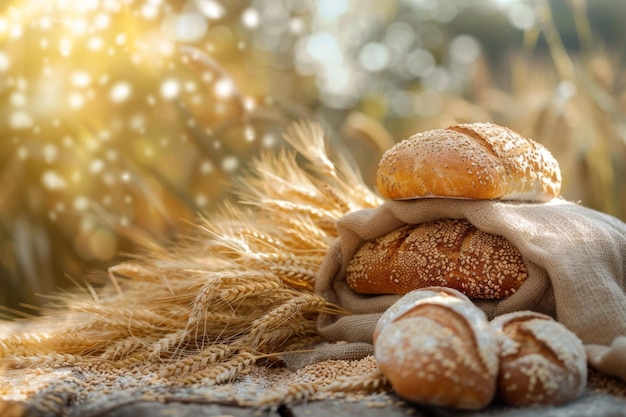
[{"x": 576, "y": 259}]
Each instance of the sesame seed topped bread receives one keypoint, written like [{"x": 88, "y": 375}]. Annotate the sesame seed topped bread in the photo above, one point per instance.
[
  {"x": 448, "y": 253},
  {"x": 476, "y": 161},
  {"x": 438, "y": 348}
]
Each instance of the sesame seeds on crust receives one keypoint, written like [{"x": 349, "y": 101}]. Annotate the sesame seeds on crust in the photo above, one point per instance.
[
  {"x": 476, "y": 161},
  {"x": 448, "y": 253}
]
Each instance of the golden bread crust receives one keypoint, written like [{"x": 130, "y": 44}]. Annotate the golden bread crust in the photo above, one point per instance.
[
  {"x": 447, "y": 253},
  {"x": 541, "y": 361},
  {"x": 475, "y": 161},
  {"x": 439, "y": 350}
]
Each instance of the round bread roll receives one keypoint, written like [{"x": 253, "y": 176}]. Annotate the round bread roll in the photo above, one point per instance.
[
  {"x": 541, "y": 361},
  {"x": 447, "y": 253},
  {"x": 407, "y": 302},
  {"x": 438, "y": 348},
  {"x": 477, "y": 161}
]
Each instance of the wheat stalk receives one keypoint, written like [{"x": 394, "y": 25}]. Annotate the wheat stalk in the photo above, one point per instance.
[
  {"x": 294, "y": 392},
  {"x": 222, "y": 372},
  {"x": 50, "y": 360},
  {"x": 207, "y": 309},
  {"x": 193, "y": 363},
  {"x": 367, "y": 383}
]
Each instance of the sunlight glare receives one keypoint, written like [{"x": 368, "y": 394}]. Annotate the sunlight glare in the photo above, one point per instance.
[
  {"x": 224, "y": 87},
  {"x": 170, "y": 88},
  {"x": 211, "y": 9},
  {"x": 120, "y": 92},
  {"x": 81, "y": 78},
  {"x": 5, "y": 62}
]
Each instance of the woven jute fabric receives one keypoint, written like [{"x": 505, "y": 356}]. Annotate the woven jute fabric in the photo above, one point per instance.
[{"x": 575, "y": 256}]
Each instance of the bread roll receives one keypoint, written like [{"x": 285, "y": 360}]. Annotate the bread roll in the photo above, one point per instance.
[
  {"x": 407, "y": 302},
  {"x": 438, "y": 348},
  {"x": 477, "y": 161},
  {"x": 447, "y": 253},
  {"x": 541, "y": 361}
]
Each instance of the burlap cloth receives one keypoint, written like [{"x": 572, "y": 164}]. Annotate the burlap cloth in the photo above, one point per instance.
[{"x": 576, "y": 260}]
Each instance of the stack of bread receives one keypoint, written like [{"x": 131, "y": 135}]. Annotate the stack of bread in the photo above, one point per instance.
[
  {"x": 434, "y": 345},
  {"x": 473, "y": 161}
]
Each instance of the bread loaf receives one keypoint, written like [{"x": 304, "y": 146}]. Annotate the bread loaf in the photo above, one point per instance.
[
  {"x": 477, "y": 161},
  {"x": 541, "y": 361},
  {"x": 447, "y": 253},
  {"x": 438, "y": 348},
  {"x": 407, "y": 302}
]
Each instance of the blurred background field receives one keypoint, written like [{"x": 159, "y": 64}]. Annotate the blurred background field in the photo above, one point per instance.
[{"x": 121, "y": 120}]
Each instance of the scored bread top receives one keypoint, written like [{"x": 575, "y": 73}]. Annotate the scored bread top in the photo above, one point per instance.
[
  {"x": 409, "y": 301},
  {"x": 459, "y": 308},
  {"x": 564, "y": 344},
  {"x": 542, "y": 362},
  {"x": 447, "y": 253},
  {"x": 476, "y": 161}
]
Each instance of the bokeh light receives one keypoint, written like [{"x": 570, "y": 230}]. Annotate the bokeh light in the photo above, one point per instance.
[{"x": 120, "y": 120}]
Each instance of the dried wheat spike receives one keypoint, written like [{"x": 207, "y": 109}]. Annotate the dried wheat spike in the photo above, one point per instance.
[
  {"x": 193, "y": 363},
  {"x": 367, "y": 383},
  {"x": 271, "y": 340},
  {"x": 308, "y": 139},
  {"x": 223, "y": 372},
  {"x": 294, "y": 275},
  {"x": 165, "y": 344},
  {"x": 265, "y": 332},
  {"x": 291, "y": 393},
  {"x": 50, "y": 360},
  {"x": 244, "y": 280}
]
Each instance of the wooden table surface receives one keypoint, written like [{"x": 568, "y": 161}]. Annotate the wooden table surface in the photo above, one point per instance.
[
  {"x": 384, "y": 405},
  {"x": 603, "y": 397},
  {"x": 586, "y": 406}
]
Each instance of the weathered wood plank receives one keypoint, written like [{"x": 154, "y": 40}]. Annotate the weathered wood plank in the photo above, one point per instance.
[
  {"x": 363, "y": 408},
  {"x": 334, "y": 408},
  {"x": 178, "y": 409},
  {"x": 381, "y": 405},
  {"x": 588, "y": 405}
]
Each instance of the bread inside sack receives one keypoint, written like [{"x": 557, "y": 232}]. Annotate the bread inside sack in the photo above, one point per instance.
[
  {"x": 575, "y": 257},
  {"x": 448, "y": 253},
  {"x": 470, "y": 161}
]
